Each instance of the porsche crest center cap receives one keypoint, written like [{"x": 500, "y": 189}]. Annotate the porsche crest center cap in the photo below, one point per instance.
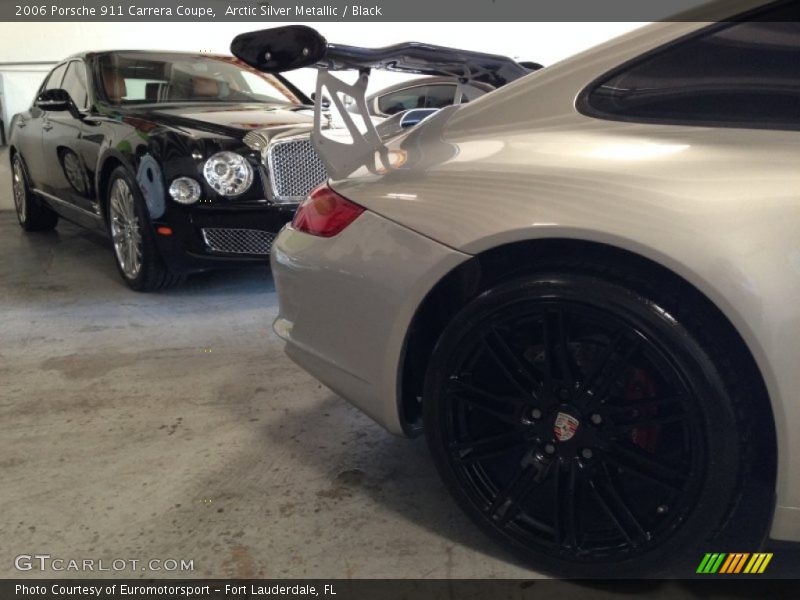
[{"x": 565, "y": 426}]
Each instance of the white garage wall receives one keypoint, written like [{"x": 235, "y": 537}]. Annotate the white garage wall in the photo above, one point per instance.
[
  {"x": 24, "y": 44},
  {"x": 542, "y": 42}
]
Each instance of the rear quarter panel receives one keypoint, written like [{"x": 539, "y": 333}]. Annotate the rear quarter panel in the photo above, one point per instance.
[{"x": 718, "y": 206}]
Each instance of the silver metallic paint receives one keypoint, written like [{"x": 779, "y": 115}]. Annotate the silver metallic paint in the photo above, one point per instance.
[{"x": 718, "y": 206}]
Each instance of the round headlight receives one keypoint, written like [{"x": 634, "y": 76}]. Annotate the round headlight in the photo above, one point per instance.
[
  {"x": 228, "y": 173},
  {"x": 185, "y": 190}
]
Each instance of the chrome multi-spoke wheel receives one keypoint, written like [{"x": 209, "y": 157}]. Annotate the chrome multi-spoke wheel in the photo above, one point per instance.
[
  {"x": 32, "y": 213},
  {"x": 74, "y": 172},
  {"x": 126, "y": 232},
  {"x": 137, "y": 255},
  {"x": 20, "y": 190},
  {"x": 581, "y": 425}
]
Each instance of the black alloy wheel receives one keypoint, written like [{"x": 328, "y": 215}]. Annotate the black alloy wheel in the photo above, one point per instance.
[{"x": 583, "y": 426}]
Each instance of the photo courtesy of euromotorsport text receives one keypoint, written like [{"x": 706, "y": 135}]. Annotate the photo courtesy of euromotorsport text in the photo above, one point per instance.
[{"x": 419, "y": 299}]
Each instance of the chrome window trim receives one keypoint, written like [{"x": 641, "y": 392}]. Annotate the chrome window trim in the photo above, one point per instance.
[{"x": 66, "y": 203}]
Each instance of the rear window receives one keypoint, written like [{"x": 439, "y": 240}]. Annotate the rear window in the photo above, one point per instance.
[{"x": 744, "y": 74}]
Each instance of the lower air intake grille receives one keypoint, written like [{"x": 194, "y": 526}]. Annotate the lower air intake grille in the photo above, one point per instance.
[
  {"x": 238, "y": 241},
  {"x": 295, "y": 168}
]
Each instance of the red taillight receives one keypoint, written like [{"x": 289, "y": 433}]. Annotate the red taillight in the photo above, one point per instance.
[{"x": 325, "y": 213}]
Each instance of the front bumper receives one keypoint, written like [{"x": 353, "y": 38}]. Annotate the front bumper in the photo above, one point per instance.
[
  {"x": 208, "y": 237},
  {"x": 346, "y": 304}
]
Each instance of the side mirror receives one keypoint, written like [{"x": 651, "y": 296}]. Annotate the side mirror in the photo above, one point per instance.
[
  {"x": 280, "y": 48},
  {"x": 326, "y": 102},
  {"x": 54, "y": 100}
]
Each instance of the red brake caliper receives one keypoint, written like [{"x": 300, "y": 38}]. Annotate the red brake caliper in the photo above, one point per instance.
[{"x": 641, "y": 387}]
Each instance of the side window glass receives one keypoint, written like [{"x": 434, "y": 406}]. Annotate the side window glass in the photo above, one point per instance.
[
  {"x": 745, "y": 74},
  {"x": 439, "y": 96},
  {"x": 56, "y": 77},
  {"x": 75, "y": 84},
  {"x": 401, "y": 100}
]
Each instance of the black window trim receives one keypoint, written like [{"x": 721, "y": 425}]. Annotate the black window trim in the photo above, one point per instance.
[
  {"x": 584, "y": 107},
  {"x": 46, "y": 80},
  {"x": 89, "y": 97}
]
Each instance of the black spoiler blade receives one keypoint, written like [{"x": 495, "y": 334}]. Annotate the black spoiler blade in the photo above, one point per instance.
[{"x": 294, "y": 46}]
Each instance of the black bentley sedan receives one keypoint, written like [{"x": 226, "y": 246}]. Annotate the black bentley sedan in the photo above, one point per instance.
[{"x": 186, "y": 161}]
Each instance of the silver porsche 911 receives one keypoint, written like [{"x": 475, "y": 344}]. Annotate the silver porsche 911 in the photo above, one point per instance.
[{"x": 583, "y": 288}]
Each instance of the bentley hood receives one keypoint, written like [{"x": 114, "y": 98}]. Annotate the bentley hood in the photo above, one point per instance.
[{"x": 229, "y": 120}]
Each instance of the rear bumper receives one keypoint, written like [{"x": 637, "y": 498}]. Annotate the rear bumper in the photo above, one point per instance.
[
  {"x": 346, "y": 304},
  {"x": 786, "y": 524}
]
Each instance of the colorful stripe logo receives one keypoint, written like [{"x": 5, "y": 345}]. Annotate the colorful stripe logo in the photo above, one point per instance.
[{"x": 734, "y": 563}]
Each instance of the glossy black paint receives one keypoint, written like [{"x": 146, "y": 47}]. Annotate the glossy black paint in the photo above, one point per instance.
[
  {"x": 69, "y": 155},
  {"x": 293, "y": 46}
]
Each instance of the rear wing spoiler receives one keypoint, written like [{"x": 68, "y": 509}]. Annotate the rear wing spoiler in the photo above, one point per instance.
[
  {"x": 281, "y": 49},
  {"x": 286, "y": 48}
]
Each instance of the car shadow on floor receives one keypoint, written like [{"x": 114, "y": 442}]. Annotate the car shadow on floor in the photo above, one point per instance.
[
  {"x": 399, "y": 475},
  {"x": 395, "y": 473},
  {"x": 90, "y": 250}
]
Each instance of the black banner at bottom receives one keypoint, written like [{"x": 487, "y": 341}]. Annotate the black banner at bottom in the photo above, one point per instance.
[{"x": 393, "y": 589}]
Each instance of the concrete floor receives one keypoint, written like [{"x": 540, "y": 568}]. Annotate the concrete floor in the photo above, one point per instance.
[{"x": 172, "y": 426}]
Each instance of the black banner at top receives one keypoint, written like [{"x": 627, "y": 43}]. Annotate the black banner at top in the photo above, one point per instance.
[{"x": 265, "y": 11}]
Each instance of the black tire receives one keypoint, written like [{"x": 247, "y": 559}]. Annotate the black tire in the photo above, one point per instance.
[
  {"x": 32, "y": 213},
  {"x": 130, "y": 224},
  {"x": 554, "y": 462}
]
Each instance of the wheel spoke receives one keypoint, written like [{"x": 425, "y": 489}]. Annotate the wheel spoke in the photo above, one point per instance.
[
  {"x": 128, "y": 202},
  {"x": 116, "y": 208},
  {"x": 617, "y": 509},
  {"x": 488, "y": 402},
  {"x": 565, "y": 514},
  {"x": 625, "y": 406},
  {"x": 473, "y": 451},
  {"x": 128, "y": 256},
  {"x": 520, "y": 375},
  {"x": 509, "y": 502},
  {"x": 609, "y": 368},
  {"x": 131, "y": 255},
  {"x": 644, "y": 463},
  {"x": 560, "y": 365},
  {"x": 618, "y": 429}
]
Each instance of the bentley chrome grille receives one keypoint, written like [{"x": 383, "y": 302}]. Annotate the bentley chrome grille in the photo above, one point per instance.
[
  {"x": 238, "y": 241},
  {"x": 294, "y": 168}
]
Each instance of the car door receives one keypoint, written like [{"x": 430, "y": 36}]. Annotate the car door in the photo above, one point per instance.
[
  {"x": 62, "y": 144},
  {"x": 28, "y": 130}
]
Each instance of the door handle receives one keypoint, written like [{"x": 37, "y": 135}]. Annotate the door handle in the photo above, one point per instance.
[{"x": 47, "y": 127}]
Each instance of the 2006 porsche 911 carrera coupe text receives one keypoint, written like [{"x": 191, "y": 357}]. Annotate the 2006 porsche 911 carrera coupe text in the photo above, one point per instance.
[
  {"x": 580, "y": 287},
  {"x": 159, "y": 151}
]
